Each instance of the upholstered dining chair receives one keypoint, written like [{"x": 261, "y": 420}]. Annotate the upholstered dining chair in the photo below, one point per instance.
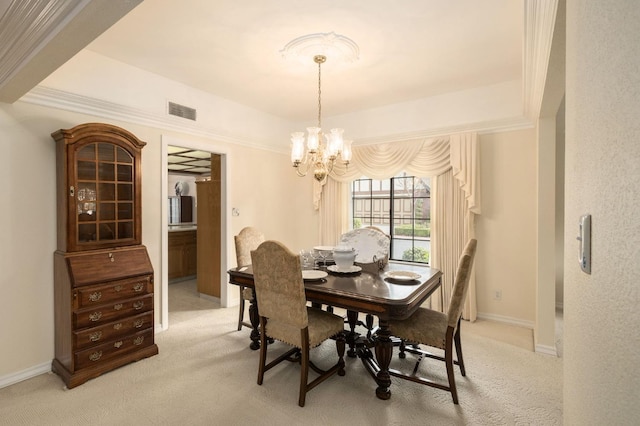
[
  {"x": 284, "y": 315},
  {"x": 248, "y": 239},
  {"x": 437, "y": 329}
]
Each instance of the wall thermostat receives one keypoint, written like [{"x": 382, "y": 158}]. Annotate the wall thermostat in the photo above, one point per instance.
[{"x": 584, "y": 255}]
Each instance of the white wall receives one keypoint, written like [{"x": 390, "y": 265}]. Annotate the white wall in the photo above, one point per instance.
[{"x": 601, "y": 315}]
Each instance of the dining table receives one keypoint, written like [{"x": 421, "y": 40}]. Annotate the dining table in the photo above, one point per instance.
[{"x": 394, "y": 292}]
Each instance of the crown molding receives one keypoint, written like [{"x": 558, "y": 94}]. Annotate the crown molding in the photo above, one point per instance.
[
  {"x": 539, "y": 22},
  {"x": 59, "y": 99},
  {"x": 480, "y": 127}
]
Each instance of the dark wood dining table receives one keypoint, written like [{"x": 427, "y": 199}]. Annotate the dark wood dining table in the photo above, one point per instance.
[{"x": 369, "y": 292}]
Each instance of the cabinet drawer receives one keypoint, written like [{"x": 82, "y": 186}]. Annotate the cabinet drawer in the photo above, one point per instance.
[
  {"x": 112, "y": 330},
  {"x": 118, "y": 309},
  {"x": 105, "y": 351},
  {"x": 115, "y": 290}
]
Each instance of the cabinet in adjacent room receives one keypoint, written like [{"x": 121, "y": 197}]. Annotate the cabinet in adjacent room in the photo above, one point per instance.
[
  {"x": 103, "y": 278},
  {"x": 209, "y": 230},
  {"x": 182, "y": 248}
]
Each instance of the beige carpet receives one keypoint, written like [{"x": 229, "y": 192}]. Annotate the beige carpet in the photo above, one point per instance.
[{"x": 205, "y": 374}]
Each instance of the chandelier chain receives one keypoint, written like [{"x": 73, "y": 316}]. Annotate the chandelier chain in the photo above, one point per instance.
[{"x": 319, "y": 94}]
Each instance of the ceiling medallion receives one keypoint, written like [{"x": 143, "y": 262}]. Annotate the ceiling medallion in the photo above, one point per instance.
[{"x": 335, "y": 46}]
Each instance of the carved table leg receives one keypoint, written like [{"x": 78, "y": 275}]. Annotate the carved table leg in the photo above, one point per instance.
[
  {"x": 254, "y": 317},
  {"x": 384, "y": 351},
  {"x": 352, "y": 318}
]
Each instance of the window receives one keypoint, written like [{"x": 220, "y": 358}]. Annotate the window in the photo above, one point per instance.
[{"x": 401, "y": 207}]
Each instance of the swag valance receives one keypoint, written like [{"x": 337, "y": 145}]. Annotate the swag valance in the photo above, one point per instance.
[{"x": 418, "y": 157}]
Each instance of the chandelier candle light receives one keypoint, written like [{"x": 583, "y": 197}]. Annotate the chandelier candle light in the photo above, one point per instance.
[{"x": 320, "y": 155}]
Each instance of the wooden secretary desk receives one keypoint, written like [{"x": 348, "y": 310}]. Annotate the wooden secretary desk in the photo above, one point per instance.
[{"x": 103, "y": 278}]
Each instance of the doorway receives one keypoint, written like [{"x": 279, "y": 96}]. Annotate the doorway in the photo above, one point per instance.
[{"x": 196, "y": 167}]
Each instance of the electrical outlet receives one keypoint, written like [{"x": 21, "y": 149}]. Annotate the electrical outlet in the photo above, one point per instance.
[{"x": 497, "y": 295}]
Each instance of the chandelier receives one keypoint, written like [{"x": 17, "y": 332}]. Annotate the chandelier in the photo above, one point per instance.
[{"x": 322, "y": 150}]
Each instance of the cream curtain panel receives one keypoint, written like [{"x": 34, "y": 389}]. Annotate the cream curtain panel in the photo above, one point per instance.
[{"x": 453, "y": 164}]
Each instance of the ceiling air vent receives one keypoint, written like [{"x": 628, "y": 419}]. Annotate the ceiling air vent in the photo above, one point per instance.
[{"x": 182, "y": 111}]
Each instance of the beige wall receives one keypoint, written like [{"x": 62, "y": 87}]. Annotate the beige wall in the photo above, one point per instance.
[
  {"x": 258, "y": 183},
  {"x": 601, "y": 315},
  {"x": 506, "y": 229}
]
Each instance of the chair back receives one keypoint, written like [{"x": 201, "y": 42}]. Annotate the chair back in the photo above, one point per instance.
[
  {"x": 279, "y": 287},
  {"x": 248, "y": 239},
  {"x": 461, "y": 283},
  {"x": 369, "y": 242}
]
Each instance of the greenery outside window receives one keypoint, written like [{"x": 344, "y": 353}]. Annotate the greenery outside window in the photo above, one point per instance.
[{"x": 401, "y": 207}]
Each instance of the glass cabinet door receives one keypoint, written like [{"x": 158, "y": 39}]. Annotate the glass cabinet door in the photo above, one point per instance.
[{"x": 105, "y": 193}]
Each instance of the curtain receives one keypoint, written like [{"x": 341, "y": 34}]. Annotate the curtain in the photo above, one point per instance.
[
  {"x": 334, "y": 214},
  {"x": 451, "y": 218},
  {"x": 451, "y": 162}
]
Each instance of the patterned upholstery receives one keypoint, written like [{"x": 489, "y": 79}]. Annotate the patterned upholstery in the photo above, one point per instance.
[
  {"x": 248, "y": 239},
  {"x": 284, "y": 314},
  {"x": 438, "y": 329}
]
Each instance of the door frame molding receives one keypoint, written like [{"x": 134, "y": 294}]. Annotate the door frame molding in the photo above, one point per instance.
[{"x": 214, "y": 148}]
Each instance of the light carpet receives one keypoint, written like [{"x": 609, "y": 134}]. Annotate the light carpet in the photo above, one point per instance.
[{"x": 206, "y": 374}]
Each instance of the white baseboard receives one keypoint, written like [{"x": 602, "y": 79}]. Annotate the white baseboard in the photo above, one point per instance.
[
  {"x": 506, "y": 320},
  {"x": 34, "y": 371},
  {"x": 546, "y": 350}
]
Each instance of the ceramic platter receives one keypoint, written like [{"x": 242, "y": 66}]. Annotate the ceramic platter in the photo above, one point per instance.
[
  {"x": 313, "y": 275},
  {"x": 368, "y": 243},
  {"x": 402, "y": 275},
  {"x": 323, "y": 248},
  {"x": 352, "y": 270}
]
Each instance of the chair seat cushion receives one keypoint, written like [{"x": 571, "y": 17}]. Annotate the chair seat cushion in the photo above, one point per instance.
[
  {"x": 247, "y": 293},
  {"x": 425, "y": 326},
  {"x": 322, "y": 325}
]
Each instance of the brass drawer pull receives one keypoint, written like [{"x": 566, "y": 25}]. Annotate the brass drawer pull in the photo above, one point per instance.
[
  {"x": 118, "y": 288},
  {"x": 138, "y": 340},
  {"x": 117, "y": 306},
  {"x": 95, "y": 336},
  {"x": 111, "y": 258},
  {"x": 117, "y": 344},
  {"x": 117, "y": 326},
  {"x": 95, "y": 356},
  {"x": 138, "y": 305},
  {"x": 95, "y": 316},
  {"x": 138, "y": 287},
  {"x": 94, "y": 297},
  {"x": 138, "y": 323}
]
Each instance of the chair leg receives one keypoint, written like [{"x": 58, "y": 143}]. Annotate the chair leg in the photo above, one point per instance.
[
  {"x": 304, "y": 374},
  {"x": 459, "y": 350},
  {"x": 241, "y": 316},
  {"x": 448, "y": 359},
  {"x": 263, "y": 352}
]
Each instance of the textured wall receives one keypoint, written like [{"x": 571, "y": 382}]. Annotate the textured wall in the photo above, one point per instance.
[{"x": 601, "y": 312}]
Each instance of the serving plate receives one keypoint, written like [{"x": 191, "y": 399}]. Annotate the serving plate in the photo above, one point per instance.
[
  {"x": 352, "y": 270},
  {"x": 402, "y": 275},
  {"x": 313, "y": 275},
  {"x": 323, "y": 248}
]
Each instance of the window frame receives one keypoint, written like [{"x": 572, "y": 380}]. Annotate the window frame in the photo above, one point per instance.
[{"x": 366, "y": 190}]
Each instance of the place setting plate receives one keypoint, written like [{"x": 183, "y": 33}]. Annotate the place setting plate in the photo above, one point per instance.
[
  {"x": 353, "y": 269},
  {"x": 314, "y": 275},
  {"x": 402, "y": 277}
]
